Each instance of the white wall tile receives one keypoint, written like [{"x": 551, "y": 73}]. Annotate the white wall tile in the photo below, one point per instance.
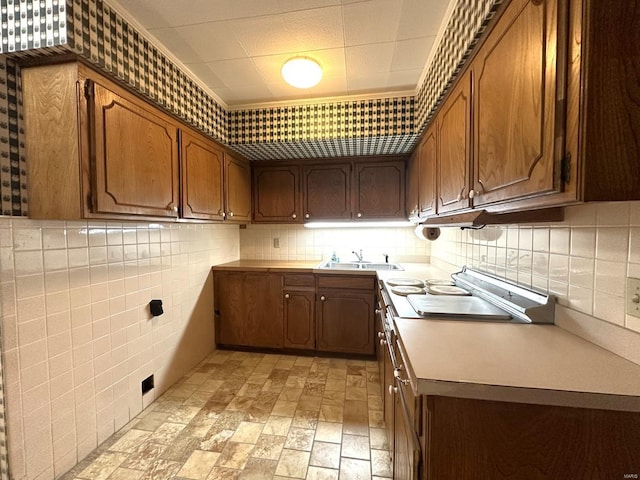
[
  {"x": 63, "y": 282},
  {"x": 591, "y": 254}
]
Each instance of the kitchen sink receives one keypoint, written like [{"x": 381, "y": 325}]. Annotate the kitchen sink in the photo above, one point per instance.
[{"x": 329, "y": 265}]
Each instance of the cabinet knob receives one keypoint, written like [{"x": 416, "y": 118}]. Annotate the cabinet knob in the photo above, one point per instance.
[
  {"x": 306, "y": 215},
  {"x": 392, "y": 389},
  {"x": 378, "y": 311},
  {"x": 172, "y": 209},
  {"x": 286, "y": 295},
  {"x": 359, "y": 215},
  {"x": 383, "y": 342},
  {"x": 223, "y": 215},
  {"x": 380, "y": 334},
  {"x": 459, "y": 197},
  {"x": 323, "y": 298},
  {"x": 472, "y": 193},
  {"x": 231, "y": 214},
  {"x": 294, "y": 216}
]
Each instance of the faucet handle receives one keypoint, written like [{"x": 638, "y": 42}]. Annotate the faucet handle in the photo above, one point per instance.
[{"x": 386, "y": 257}]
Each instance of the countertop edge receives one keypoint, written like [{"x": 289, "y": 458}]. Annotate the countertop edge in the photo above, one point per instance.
[{"x": 538, "y": 396}]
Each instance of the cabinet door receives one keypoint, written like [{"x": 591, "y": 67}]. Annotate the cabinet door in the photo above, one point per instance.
[
  {"x": 249, "y": 309},
  {"x": 515, "y": 105},
  {"x": 344, "y": 322},
  {"x": 136, "y": 157},
  {"x": 202, "y": 163},
  {"x": 427, "y": 173},
  {"x": 327, "y": 191},
  {"x": 454, "y": 148},
  {"x": 389, "y": 400},
  {"x": 412, "y": 179},
  {"x": 276, "y": 194},
  {"x": 299, "y": 324},
  {"x": 237, "y": 189},
  {"x": 379, "y": 190},
  {"x": 407, "y": 456}
]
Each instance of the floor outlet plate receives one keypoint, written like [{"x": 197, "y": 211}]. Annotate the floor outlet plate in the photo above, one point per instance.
[{"x": 633, "y": 297}]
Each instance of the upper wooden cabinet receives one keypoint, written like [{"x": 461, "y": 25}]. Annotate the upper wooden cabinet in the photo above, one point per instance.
[
  {"x": 276, "y": 194},
  {"x": 515, "y": 98},
  {"x": 98, "y": 151},
  {"x": 136, "y": 155},
  {"x": 427, "y": 154},
  {"x": 202, "y": 166},
  {"x": 378, "y": 190},
  {"x": 360, "y": 189},
  {"x": 327, "y": 191},
  {"x": 454, "y": 149},
  {"x": 237, "y": 189}
]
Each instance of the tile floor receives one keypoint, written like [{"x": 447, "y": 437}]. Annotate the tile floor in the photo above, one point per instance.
[{"x": 241, "y": 415}]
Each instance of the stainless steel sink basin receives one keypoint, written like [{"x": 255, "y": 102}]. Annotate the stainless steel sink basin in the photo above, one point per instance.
[{"x": 329, "y": 265}]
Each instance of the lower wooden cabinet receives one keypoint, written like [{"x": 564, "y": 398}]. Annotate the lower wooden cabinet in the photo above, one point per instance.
[
  {"x": 344, "y": 321},
  {"x": 249, "y": 309},
  {"x": 328, "y": 313}
]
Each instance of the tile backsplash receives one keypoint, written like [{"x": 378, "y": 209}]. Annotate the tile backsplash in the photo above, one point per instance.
[
  {"x": 299, "y": 243},
  {"x": 77, "y": 334},
  {"x": 583, "y": 260}
]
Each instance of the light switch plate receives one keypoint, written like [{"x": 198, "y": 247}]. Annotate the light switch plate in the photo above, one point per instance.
[{"x": 633, "y": 297}]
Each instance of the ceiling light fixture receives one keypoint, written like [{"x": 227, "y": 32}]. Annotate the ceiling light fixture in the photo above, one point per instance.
[{"x": 301, "y": 72}]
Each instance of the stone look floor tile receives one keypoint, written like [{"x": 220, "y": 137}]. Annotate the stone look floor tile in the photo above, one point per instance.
[
  {"x": 235, "y": 455},
  {"x": 247, "y": 432},
  {"x": 355, "y": 446},
  {"x": 269, "y": 447},
  {"x": 198, "y": 465},
  {"x": 293, "y": 463},
  {"x": 325, "y": 454},
  {"x": 299, "y": 439},
  {"x": 318, "y": 473},
  {"x": 251, "y": 416}
]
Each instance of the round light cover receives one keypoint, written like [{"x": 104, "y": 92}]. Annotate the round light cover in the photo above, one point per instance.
[{"x": 301, "y": 72}]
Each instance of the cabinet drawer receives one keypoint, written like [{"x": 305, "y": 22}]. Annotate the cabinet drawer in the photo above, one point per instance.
[
  {"x": 344, "y": 281},
  {"x": 299, "y": 280}
]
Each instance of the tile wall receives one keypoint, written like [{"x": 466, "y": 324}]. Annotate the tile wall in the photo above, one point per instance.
[
  {"x": 584, "y": 260},
  {"x": 300, "y": 243},
  {"x": 77, "y": 335}
]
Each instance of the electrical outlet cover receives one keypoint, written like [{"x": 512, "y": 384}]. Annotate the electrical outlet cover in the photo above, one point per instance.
[{"x": 633, "y": 297}]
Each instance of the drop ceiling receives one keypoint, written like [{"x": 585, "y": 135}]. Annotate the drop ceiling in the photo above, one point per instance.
[{"x": 236, "y": 48}]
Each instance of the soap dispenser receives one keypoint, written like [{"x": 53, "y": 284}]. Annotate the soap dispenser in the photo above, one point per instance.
[{"x": 334, "y": 257}]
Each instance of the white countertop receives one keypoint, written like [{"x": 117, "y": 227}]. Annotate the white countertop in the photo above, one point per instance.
[{"x": 542, "y": 364}]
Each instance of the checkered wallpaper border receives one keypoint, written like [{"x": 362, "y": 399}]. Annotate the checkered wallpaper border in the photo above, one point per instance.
[{"x": 95, "y": 31}]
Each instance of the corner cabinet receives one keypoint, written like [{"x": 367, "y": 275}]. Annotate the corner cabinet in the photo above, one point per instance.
[{"x": 109, "y": 154}]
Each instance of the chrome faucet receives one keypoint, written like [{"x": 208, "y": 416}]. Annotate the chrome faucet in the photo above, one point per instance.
[{"x": 358, "y": 255}]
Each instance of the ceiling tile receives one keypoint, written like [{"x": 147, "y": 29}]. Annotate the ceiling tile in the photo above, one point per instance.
[
  {"x": 295, "y": 32},
  {"x": 236, "y": 73},
  {"x": 421, "y": 18},
  {"x": 367, "y": 59},
  {"x": 371, "y": 22},
  {"x": 296, "y": 5},
  {"x": 411, "y": 54},
  {"x": 404, "y": 79},
  {"x": 238, "y": 95},
  {"x": 171, "y": 13},
  {"x": 206, "y": 42},
  {"x": 375, "y": 82}
]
